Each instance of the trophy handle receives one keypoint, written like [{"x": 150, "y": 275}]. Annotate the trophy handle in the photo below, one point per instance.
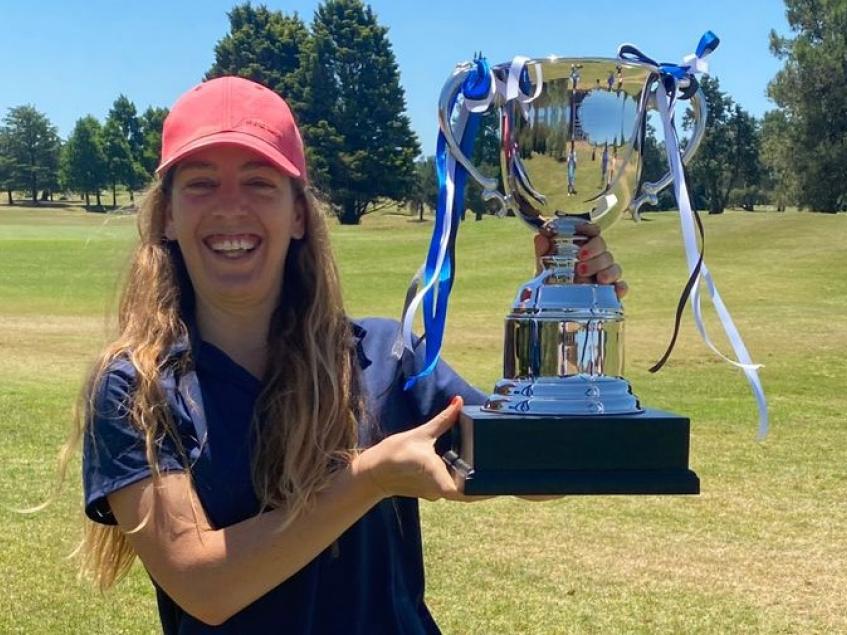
[
  {"x": 651, "y": 189},
  {"x": 446, "y": 99}
]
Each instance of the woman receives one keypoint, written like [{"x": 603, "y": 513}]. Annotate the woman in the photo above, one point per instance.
[{"x": 242, "y": 436}]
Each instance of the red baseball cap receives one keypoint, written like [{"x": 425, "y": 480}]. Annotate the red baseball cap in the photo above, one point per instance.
[{"x": 236, "y": 111}]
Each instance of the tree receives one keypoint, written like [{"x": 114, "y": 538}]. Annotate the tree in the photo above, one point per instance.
[
  {"x": 6, "y": 166},
  {"x": 133, "y": 175},
  {"x": 486, "y": 157},
  {"x": 118, "y": 155},
  {"x": 137, "y": 178},
  {"x": 123, "y": 113},
  {"x": 728, "y": 157},
  {"x": 425, "y": 191},
  {"x": 809, "y": 91},
  {"x": 151, "y": 146},
  {"x": 654, "y": 165},
  {"x": 49, "y": 182},
  {"x": 84, "y": 166},
  {"x": 266, "y": 47},
  {"x": 780, "y": 175},
  {"x": 31, "y": 148},
  {"x": 353, "y": 117}
]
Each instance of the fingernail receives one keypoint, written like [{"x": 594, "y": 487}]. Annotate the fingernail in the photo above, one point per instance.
[
  {"x": 583, "y": 254},
  {"x": 583, "y": 268},
  {"x": 455, "y": 401}
]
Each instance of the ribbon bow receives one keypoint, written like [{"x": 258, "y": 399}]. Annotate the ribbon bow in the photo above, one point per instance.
[
  {"x": 673, "y": 74},
  {"x": 479, "y": 86}
]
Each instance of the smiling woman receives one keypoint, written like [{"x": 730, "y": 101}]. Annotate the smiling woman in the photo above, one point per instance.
[
  {"x": 234, "y": 216},
  {"x": 237, "y": 381},
  {"x": 227, "y": 206}
]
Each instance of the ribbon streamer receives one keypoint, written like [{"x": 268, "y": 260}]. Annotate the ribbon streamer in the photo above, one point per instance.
[
  {"x": 438, "y": 271},
  {"x": 479, "y": 90},
  {"x": 665, "y": 101}
]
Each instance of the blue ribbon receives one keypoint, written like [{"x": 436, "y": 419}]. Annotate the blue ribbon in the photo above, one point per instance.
[
  {"x": 476, "y": 85},
  {"x": 708, "y": 43},
  {"x": 673, "y": 73},
  {"x": 524, "y": 82}
]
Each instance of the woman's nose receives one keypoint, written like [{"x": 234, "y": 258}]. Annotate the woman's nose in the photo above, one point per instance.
[{"x": 231, "y": 198}]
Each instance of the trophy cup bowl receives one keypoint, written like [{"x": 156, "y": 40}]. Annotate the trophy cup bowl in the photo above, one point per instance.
[{"x": 563, "y": 420}]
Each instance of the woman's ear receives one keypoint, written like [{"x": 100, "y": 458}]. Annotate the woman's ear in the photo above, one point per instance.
[{"x": 298, "y": 222}]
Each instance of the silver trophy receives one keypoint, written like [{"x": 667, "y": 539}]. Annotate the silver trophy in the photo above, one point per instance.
[{"x": 563, "y": 419}]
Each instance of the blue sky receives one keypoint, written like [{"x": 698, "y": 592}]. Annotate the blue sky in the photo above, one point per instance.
[{"x": 70, "y": 58}]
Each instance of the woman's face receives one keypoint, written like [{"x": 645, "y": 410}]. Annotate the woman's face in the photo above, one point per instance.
[{"x": 234, "y": 215}]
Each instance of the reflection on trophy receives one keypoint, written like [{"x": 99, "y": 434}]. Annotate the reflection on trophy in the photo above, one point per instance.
[{"x": 563, "y": 419}]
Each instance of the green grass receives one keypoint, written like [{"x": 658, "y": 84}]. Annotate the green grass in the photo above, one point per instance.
[{"x": 763, "y": 549}]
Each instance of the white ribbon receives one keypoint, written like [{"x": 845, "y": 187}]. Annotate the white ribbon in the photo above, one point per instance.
[
  {"x": 509, "y": 90},
  {"x": 696, "y": 64},
  {"x": 686, "y": 216}
]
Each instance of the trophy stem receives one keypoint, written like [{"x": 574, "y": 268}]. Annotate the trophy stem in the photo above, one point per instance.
[
  {"x": 563, "y": 351},
  {"x": 561, "y": 264}
]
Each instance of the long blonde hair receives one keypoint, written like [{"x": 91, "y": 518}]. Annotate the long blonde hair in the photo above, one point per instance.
[{"x": 309, "y": 404}]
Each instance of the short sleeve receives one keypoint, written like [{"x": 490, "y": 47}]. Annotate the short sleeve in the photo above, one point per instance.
[
  {"x": 113, "y": 450},
  {"x": 431, "y": 394}
]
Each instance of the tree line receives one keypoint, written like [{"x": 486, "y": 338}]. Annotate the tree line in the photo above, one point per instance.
[
  {"x": 778, "y": 161},
  {"x": 123, "y": 150},
  {"x": 340, "y": 77}
]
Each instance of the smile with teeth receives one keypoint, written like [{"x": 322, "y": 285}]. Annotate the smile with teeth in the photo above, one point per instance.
[{"x": 232, "y": 246}]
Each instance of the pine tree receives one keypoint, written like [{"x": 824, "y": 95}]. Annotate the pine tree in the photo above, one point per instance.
[
  {"x": 132, "y": 175},
  {"x": 810, "y": 92},
  {"x": 84, "y": 165},
  {"x": 266, "y": 47},
  {"x": 119, "y": 161},
  {"x": 151, "y": 133},
  {"x": 361, "y": 144},
  {"x": 31, "y": 147},
  {"x": 123, "y": 113},
  {"x": 7, "y": 182}
]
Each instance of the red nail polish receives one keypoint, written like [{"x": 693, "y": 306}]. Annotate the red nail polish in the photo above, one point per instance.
[
  {"x": 583, "y": 254},
  {"x": 583, "y": 268}
]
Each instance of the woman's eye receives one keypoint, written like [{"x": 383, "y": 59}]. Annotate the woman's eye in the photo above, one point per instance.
[
  {"x": 200, "y": 185},
  {"x": 260, "y": 184}
]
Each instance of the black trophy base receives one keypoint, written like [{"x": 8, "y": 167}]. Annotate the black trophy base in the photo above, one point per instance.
[{"x": 646, "y": 453}]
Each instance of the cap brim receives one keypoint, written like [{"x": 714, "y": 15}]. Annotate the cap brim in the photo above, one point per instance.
[{"x": 242, "y": 139}]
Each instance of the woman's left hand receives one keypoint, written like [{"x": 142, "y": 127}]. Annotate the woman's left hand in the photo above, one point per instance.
[{"x": 596, "y": 264}]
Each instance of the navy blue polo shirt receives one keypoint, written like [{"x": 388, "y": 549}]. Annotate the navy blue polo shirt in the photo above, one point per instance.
[{"x": 372, "y": 579}]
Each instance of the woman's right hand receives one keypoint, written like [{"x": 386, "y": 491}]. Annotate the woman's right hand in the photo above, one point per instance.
[{"x": 406, "y": 464}]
